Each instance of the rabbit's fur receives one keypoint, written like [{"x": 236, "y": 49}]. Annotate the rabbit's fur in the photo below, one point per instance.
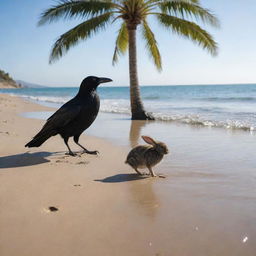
[{"x": 147, "y": 156}]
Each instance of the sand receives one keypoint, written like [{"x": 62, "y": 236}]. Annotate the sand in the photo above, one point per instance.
[
  {"x": 8, "y": 85},
  {"x": 33, "y": 180},
  {"x": 103, "y": 208}
]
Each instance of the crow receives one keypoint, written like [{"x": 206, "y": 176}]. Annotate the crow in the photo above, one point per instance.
[{"x": 73, "y": 117}]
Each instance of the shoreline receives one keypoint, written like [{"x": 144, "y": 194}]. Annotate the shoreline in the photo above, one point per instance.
[
  {"x": 211, "y": 108},
  {"x": 205, "y": 206},
  {"x": 9, "y": 85}
]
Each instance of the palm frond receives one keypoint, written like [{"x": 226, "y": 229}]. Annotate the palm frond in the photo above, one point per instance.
[
  {"x": 189, "y": 30},
  {"x": 75, "y": 35},
  {"x": 74, "y": 8},
  {"x": 151, "y": 45},
  {"x": 149, "y": 2},
  {"x": 121, "y": 43},
  {"x": 188, "y": 9}
]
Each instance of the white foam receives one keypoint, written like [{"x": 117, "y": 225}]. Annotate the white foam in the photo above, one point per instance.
[
  {"x": 50, "y": 99},
  {"x": 122, "y": 106}
]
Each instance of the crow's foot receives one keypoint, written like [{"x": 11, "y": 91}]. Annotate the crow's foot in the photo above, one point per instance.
[
  {"x": 95, "y": 152},
  {"x": 71, "y": 154}
]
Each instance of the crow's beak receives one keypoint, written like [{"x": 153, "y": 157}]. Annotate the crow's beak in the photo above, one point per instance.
[{"x": 104, "y": 80}]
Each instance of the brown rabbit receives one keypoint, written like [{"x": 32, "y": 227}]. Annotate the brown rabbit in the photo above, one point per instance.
[{"x": 148, "y": 156}]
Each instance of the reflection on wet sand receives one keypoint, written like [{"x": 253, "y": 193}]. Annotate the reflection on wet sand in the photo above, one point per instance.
[
  {"x": 142, "y": 191},
  {"x": 144, "y": 197},
  {"x": 135, "y": 131}
]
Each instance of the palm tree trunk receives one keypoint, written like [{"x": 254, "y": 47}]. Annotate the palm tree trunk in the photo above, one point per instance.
[{"x": 137, "y": 108}]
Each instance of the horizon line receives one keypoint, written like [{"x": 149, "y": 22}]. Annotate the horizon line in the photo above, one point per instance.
[{"x": 148, "y": 85}]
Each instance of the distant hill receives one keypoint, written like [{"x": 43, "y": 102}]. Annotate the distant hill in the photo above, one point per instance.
[
  {"x": 29, "y": 85},
  {"x": 6, "y": 81}
]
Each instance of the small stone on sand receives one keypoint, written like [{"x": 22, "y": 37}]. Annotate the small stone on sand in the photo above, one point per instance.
[{"x": 53, "y": 208}]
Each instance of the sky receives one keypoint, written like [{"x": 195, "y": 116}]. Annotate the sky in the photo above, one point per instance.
[{"x": 25, "y": 49}]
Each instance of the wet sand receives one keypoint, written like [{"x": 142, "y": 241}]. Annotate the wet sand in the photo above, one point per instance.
[
  {"x": 207, "y": 203},
  {"x": 205, "y": 207}
]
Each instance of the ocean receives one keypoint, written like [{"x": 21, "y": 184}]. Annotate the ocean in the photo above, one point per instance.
[{"x": 225, "y": 106}]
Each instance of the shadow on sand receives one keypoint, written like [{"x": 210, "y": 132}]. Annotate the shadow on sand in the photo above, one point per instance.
[
  {"x": 122, "y": 178},
  {"x": 25, "y": 159}
]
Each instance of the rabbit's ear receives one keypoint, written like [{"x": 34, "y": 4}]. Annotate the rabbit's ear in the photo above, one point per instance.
[{"x": 148, "y": 140}]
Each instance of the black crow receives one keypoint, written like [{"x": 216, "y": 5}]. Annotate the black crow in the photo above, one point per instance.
[{"x": 73, "y": 117}]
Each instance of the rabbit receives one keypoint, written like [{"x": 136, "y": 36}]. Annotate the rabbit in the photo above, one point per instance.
[{"x": 143, "y": 156}]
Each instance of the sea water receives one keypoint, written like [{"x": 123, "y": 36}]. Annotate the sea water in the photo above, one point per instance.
[{"x": 226, "y": 106}]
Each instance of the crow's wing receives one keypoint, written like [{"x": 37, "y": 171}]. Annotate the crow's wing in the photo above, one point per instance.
[
  {"x": 59, "y": 119},
  {"x": 63, "y": 116},
  {"x": 67, "y": 113}
]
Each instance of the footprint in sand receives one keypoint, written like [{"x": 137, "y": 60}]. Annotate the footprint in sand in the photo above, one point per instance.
[
  {"x": 67, "y": 161},
  {"x": 61, "y": 161},
  {"x": 83, "y": 162},
  {"x": 5, "y": 132}
]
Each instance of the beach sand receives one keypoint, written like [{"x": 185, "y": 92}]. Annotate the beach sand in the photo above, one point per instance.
[
  {"x": 8, "y": 85},
  {"x": 205, "y": 207}
]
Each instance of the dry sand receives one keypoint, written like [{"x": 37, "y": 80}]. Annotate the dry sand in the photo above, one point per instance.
[
  {"x": 8, "y": 85},
  {"x": 88, "y": 222},
  {"x": 103, "y": 207}
]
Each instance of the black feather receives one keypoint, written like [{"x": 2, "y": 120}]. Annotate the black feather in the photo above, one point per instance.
[{"x": 73, "y": 117}]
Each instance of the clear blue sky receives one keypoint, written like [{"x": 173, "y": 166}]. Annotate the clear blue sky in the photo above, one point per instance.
[{"x": 25, "y": 48}]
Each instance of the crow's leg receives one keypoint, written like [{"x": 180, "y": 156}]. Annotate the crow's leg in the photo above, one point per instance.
[
  {"x": 95, "y": 152},
  {"x": 69, "y": 150}
]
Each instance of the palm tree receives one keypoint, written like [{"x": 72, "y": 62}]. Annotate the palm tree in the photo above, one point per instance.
[{"x": 178, "y": 16}]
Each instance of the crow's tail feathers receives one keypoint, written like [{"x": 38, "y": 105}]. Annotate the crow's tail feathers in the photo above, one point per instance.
[{"x": 38, "y": 140}]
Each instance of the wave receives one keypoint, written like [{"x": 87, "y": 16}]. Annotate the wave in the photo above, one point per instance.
[
  {"x": 218, "y": 99},
  {"x": 197, "y": 121},
  {"x": 115, "y": 106},
  {"x": 194, "y": 120},
  {"x": 64, "y": 98},
  {"x": 122, "y": 106},
  {"x": 233, "y": 99},
  {"x": 50, "y": 99},
  {"x": 152, "y": 97}
]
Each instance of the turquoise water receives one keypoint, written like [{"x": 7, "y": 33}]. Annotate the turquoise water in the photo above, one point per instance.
[{"x": 227, "y": 106}]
